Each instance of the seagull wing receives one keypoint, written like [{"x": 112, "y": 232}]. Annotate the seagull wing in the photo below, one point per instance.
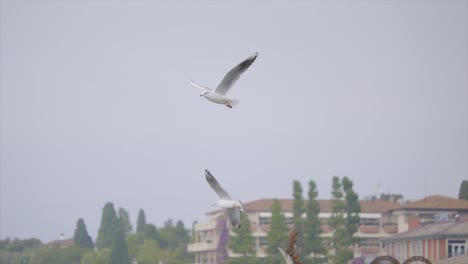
[
  {"x": 234, "y": 216},
  {"x": 203, "y": 88},
  {"x": 216, "y": 187},
  {"x": 286, "y": 257},
  {"x": 233, "y": 75}
]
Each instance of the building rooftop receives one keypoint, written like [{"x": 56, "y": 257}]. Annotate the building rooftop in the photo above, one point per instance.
[
  {"x": 367, "y": 206},
  {"x": 434, "y": 202},
  {"x": 437, "y": 201},
  {"x": 69, "y": 242},
  {"x": 434, "y": 230}
]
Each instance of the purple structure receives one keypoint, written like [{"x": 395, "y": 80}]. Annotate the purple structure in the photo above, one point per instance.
[{"x": 221, "y": 250}]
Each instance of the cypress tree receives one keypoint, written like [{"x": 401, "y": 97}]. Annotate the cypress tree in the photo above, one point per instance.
[
  {"x": 81, "y": 237},
  {"x": 353, "y": 208},
  {"x": 278, "y": 235},
  {"x": 313, "y": 226},
  {"x": 119, "y": 251},
  {"x": 298, "y": 210},
  {"x": 463, "y": 192},
  {"x": 141, "y": 222},
  {"x": 124, "y": 219},
  {"x": 109, "y": 225},
  {"x": 337, "y": 221},
  {"x": 345, "y": 219}
]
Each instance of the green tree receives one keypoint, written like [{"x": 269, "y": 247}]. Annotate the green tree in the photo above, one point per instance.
[
  {"x": 57, "y": 255},
  {"x": 109, "y": 226},
  {"x": 124, "y": 219},
  {"x": 313, "y": 226},
  {"x": 81, "y": 237},
  {"x": 353, "y": 208},
  {"x": 463, "y": 193},
  {"x": 174, "y": 240},
  {"x": 119, "y": 251},
  {"x": 298, "y": 210},
  {"x": 149, "y": 252},
  {"x": 337, "y": 221},
  {"x": 150, "y": 232},
  {"x": 141, "y": 221},
  {"x": 242, "y": 241},
  {"x": 100, "y": 257},
  {"x": 345, "y": 218},
  {"x": 278, "y": 235},
  {"x": 134, "y": 242}
]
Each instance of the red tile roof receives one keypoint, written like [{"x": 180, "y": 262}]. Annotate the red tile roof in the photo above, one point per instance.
[
  {"x": 439, "y": 202},
  {"x": 62, "y": 242},
  {"x": 367, "y": 206},
  {"x": 443, "y": 229}
]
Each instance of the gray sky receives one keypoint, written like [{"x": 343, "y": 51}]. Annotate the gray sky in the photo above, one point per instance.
[{"x": 96, "y": 107}]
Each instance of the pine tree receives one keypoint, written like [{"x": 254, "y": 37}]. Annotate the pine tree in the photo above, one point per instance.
[
  {"x": 243, "y": 241},
  {"x": 119, "y": 252},
  {"x": 463, "y": 193},
  {"x": 141, "y": 221},
  {"x": 298, "y": 210},
  {"x": 81, "y": 237},
  {"x": 124, "y": 219},
  {"x": 313, "y": 226},
  {"x": 109, "y": 225},
  {"x": 279, "y": 233}
]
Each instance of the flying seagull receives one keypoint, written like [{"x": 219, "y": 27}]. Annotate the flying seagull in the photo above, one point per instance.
[
  {"x": 233, "y": 207},
  {"x": 219, "y": 94}
]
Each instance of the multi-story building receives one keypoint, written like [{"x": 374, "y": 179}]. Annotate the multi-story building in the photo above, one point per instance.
[
  {"x": 380, "y": 219},
  {"x": 435, "y": 242},
  {"x": 210, "y": 234}
]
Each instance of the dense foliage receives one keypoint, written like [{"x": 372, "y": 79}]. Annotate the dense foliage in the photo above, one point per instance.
[
  {"x": 117, "y": 244},
  {"x": 242, "y": 241},
  {"x": 463, "y": 192},
  {"x": 278, "y": 235},
  {"x": 313, "y": 227},
  {"x": 81, "y": 237}
]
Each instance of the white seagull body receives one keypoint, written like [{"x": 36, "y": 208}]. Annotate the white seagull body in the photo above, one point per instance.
[
  {"x": 233, "y": 207},
  {"x": 218, "y": 95}
]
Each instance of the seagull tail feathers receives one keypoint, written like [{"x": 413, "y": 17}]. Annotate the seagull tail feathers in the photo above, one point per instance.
[{"x": 233, "y": 102}]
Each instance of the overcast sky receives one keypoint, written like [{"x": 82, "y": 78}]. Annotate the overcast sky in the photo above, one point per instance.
[{"x": 96, "y": 107}]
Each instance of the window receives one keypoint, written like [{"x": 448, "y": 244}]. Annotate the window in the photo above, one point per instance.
[
  {"x": 263, "y": 241},
  {"x": 416, "y": 248},
  {"x": 370, "y": 221},
  {"x": 264, "y": 220},
  {"x": 456, "y": 247}
]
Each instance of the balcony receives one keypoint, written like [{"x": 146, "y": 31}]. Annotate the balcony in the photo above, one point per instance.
[
  {"x": 391, "y": 229},
  {"x": 205, "y": 226},
  {"x": 203, "y": 246},
  {"x": 369, "y": 229}
]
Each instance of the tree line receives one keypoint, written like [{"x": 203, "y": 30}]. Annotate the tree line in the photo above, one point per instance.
[
  {"x": 310, "y": 246},
  {"x": 116, "y": 243}
]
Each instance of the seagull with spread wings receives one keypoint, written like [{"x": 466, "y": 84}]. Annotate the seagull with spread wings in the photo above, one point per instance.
[
  {"x": 233, "y": 207},
  {"x": 218, "y": 95}
]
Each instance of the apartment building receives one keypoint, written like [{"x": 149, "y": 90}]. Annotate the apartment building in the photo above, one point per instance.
[
  {"x": 380, "y": 219},
  {"x": 439, "y": 241},
  {"x": 210, "y": 234}
]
